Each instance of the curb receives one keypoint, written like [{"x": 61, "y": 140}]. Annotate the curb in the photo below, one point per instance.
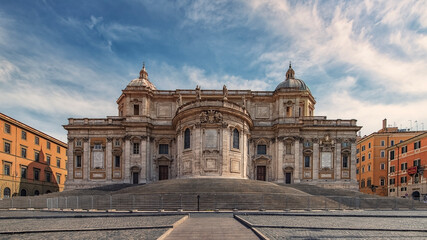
[
  {"x": 249, "y": 225},
  {"x": 175, "y": 225}
]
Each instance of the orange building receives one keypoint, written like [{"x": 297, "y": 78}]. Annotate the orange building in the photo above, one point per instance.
[
  {"x": 371, "y": 158},
  {"x": 408, "y": 161},
  {"x": 32, "y": 162}
]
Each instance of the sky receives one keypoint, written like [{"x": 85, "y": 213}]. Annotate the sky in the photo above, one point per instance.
[{"x": 364, "y": 60}]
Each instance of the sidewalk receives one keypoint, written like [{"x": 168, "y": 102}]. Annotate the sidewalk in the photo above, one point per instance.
[{"x": 211, "y": 226}]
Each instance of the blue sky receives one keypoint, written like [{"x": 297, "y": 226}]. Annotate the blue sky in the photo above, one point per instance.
[{"x": 365, "y": 60}]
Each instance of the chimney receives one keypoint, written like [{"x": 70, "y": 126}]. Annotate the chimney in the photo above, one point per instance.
[{"x": 385, "y": 123}]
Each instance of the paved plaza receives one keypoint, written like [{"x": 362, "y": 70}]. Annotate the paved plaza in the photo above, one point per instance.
[{"x": 23, "y": 224}]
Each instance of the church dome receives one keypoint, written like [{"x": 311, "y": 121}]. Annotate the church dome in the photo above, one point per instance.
[
  {"x": 292, "y": 83},
  {"x": 142, "y": 81}
]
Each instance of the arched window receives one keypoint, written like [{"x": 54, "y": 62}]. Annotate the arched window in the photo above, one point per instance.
[
  {"x": 236, "y": 138},
  {"x": 187, "y": 138},
  {"x": 36, "y": 193},
  {"x": 6, "y": 193},
  {"x": 23, "y": 192}
]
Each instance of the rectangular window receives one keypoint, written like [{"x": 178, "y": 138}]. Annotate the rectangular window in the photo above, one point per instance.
[
  {"x": 357, "y": 160},
  {"x": 36, "y": 156},
  {"x": 78, "y": 143},
  {"x": 36, "y": 140},
  {"x": 369, "y": 182},
  {"x": 392, "y": 155},
  {"x": 404, "y": 149},
  {"x": 58, "y": 178},
  {"x": 7, "y": 147},
  {"x": 78, "y": 161},
  {"x": 392, "y": 143},
  {"x": 307, "y": 161},
  {"x": 403, "y": 166},
  {"x": 392, "y": 169},
  {"x": 24, "y": 152},
  {"x": 97, "y": 146},
  {"x": 47, "y": 176},
  {"x": 24, "y": 135},
  {"x": 403, "y": 179},
  {"x": 369, "y": 145},
  {"x": 369, "y": 155},
  {"x": 363, "y": 169},
  {"x": 392, "y": 181},
  {"x": 357, "y": 150},
  {"x": 382, "y": 143},
  {"x": 363, "y": 158},
  {"x": 7, "y": 128},
  {"x": 261, "y": 149},
  {"x": 163, "y": 148},
  {"x": 382, "y": 166},
  {"x": 382, "y": 153},
  {"x": 382, "y": 182},
  {"x": 288, "y": 148},
  {"x": 345, "y": 144},
  {"x": 48, "y": 145},
  {"x": 58, "y": 162},
  {"x": 363, "y": 148},
  {"x": 417, "y": 145},
  {"x": 307, "y": 144},
  {"x": 6, "y": 169},
  {"x": 48, "y": 160},
  {"x": 345, "y": 161},
  {"x": 417, "y": 162},
  {"x": 362, "y": 184},
  {"x": 369, "y": 168},
  {"x": 23, "y": 172},
  {"x": 58, "y": 149},
  {"x": 117, "y": 143},
  {"x": 36, "y": 174},
  {"x": 136, "y": 109},
  {"x": 135, "y": 148},
  {"x": 117, "y": 161},
  {"x": 357, "y": 171}
]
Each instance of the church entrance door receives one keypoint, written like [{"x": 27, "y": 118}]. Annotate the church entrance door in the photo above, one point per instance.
[
  {"x": 288, "y": 177},
  {"x": 163, "y": 172},
  {"x": 261, "y": 173},
  {"x": 135, "y": 177}
]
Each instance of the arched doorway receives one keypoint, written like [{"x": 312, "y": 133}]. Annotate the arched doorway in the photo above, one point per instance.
[
  {"x": 6, "y": 193},
  {"x": 23, "y": 192},
  {"x": 288, "y": 172},
  {"x": 36, "y": 193},
  {"x": 416, "y": 195}
]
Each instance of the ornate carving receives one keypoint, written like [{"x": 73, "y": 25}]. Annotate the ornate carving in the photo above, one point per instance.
[
  {"x": 352, "y": 140},
  {"x": 224, "y": 125},
  {"x": 85, "y": 139},
  {"x": 210, "y": 116},
  {"x": 109, "y": 139},
  {"x": 70, "y": 139},
  {"x": 315, "y": 140},
  {"x": 127, "y": 137}
]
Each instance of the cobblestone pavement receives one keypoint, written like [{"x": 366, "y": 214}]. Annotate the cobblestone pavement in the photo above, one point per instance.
[
  {"x": 122, "y": 234},
  {"x": 274, "y": 233},
  {"x": 66, "y": 225},
  {"x": 320, "y": 225}
]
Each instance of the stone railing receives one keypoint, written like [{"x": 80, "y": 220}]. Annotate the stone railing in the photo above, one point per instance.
[{"x": 96, "y": 121}]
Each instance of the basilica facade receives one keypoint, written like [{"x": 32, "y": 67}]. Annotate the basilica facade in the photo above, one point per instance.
[{"x": 197, "y": 133}]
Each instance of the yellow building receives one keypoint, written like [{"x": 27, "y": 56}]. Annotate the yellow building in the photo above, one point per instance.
[{"x": 32, "y": 162}]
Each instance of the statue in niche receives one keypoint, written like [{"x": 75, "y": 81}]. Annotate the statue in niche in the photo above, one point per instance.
[
  {"x": 224, "y": 92},
  {"x": 198, "y": 93}
]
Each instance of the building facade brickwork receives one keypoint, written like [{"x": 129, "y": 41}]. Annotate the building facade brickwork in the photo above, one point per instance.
[
  {"x": 161, "y": 134},
  {"x": 32, "y": 162}
]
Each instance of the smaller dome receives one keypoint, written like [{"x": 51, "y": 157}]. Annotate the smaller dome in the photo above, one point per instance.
[
  {"x": 142, "y": 81},
  {"x": 292, "y": 83}
]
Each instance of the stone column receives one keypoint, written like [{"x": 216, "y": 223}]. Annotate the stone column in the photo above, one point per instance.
[
  {"x": 109, "y": 157},
  {"x": 142, "y": 161},
  {"x": 279, "y": 152},
  {"x": 126, "y": 162},
  {"x": 337, "y": 161},
  {"x": 297, "y": 159},
  {"x": 316, "y": 155},
  {"x": 86, "y": 158},
  {"x": 70, "y": 157},
  {"x": 353, "y": 161}
]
